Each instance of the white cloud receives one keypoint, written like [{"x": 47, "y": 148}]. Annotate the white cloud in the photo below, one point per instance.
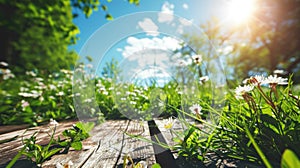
[
  {"x": 168, "y": 8},
  {"x": 185, "y": 6},
  {"x": 166, "y": 14},
  {"x": 137, "y": 45},
  {"x": 149, "y": 27},
  {"x": 183, "y": 22},
  {"x": 152, "y": 72},
  {"x": 149, "y": 58}
]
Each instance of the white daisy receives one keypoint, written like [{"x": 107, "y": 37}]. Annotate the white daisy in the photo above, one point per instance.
[
  {"x": 196, "y": 109},
  {"x": 203, "y": 79},
  {"x": 168, "y": 123},
  {"x": 274, "y": 80},
  {"x": 60, "y": 93},
  {"x": 242, "y": 90},
  {"x": 279, "y": 71},
  {"x": 4, "y": 64},
  {"x": 197, "y": 59},
  {"x": 53, "y": 122}
]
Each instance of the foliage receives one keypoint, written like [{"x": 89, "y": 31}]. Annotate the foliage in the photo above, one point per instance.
[
  {"x": 75, "y": 135},
  {"x": 289, "y": 159},
  {"x": 258, "y": 124},
  {"x": 34, "y": 98},
  {"x": 271, "y": 116},
  {"x": 39, "y": 154},
  {"x": 274, "y": 28},
  {"x": 111, "y": 69},
  {"x": 36, "y": 34}
]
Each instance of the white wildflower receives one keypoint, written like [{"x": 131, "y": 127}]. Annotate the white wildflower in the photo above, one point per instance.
[
  {"x": 88, "y": 100},
  {"x": 197, "y": 59},
  {"x": 274, "y": 80},
  {"x": 41, "y": 98},
  {"x": 196, "y": 109},
  {"x": 52, "y": 87},
  {"x": 67, "y": 165},
  {"x": 66, "y": 71},
  {"x": 60, "y": 93},
  {"x": 93, "y": 110},
  {"x": 203, "y": 79},
  {"x": 132, "y": 102},
  {"x": 7, "y": 74},
  {"x": 53, "y": 122},
  {"x": 279, "y": 71},
  {"x": 52, "y": 97},
  {"x": 31, "y": 73},
  {"x": 36, "y": 94},
  {"x": 24, "y": 94},
  {"x": 168, "y": 123},
  {"x": 39, "y": 79},
  {"x": 24, "y": 104},
  {"x": 133, "y": 94},
  {"x": 255, "y": 80},
  {"x": 102, "y": 89},
  {"x": 242, "y": 90},
  {"x": 4, "y": 64}
]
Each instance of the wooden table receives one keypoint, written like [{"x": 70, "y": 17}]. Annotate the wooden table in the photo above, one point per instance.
[{"x": 107, "y": 146}]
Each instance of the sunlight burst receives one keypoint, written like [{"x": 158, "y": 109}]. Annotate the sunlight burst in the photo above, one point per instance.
[{"x": 240, "y": 10}]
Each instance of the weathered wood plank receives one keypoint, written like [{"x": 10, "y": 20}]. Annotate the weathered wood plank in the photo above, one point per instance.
[
  {"x": 138, "y": 150},
  {"x": 90, "y": 147},
  {"x": 9, "y": 149},
  {"x": 110, "y": 137},
  {"x": 10, "y": 128},
  {"x": 105, "y": 148}
]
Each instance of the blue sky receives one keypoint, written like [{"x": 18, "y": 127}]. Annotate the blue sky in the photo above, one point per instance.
[
  {"x": 197, "y": 10},
  {"x": 143, "y": 38}
]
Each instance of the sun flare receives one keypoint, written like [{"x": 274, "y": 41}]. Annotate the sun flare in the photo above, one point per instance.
[{"x": 240, "y": 10}]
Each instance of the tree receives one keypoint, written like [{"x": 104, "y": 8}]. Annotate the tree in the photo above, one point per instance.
[
  {"x": 35, "y": 34},
  {"x": 271, "y": 39},
  {"x": 111, "y": 69}
]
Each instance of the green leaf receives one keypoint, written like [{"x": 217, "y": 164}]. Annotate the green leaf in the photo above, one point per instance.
[
  {"x": 86, "y": 127},
  {"x": 52, "y": 152},
  {"x": 64, "y": 143},
  {"x": 269, "y": 120},
  {"x": 109, "y": 17},
  {"x": 156, "y": 165},
  {"x": 104, "y": 7},
  {"x": 13, "y": 161},
  {"x": 87, "y": 11},
  {"x": 76, "y": 145},
  {"x": 289, "y": 159},
  {"x": 39, "y": 147}
]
